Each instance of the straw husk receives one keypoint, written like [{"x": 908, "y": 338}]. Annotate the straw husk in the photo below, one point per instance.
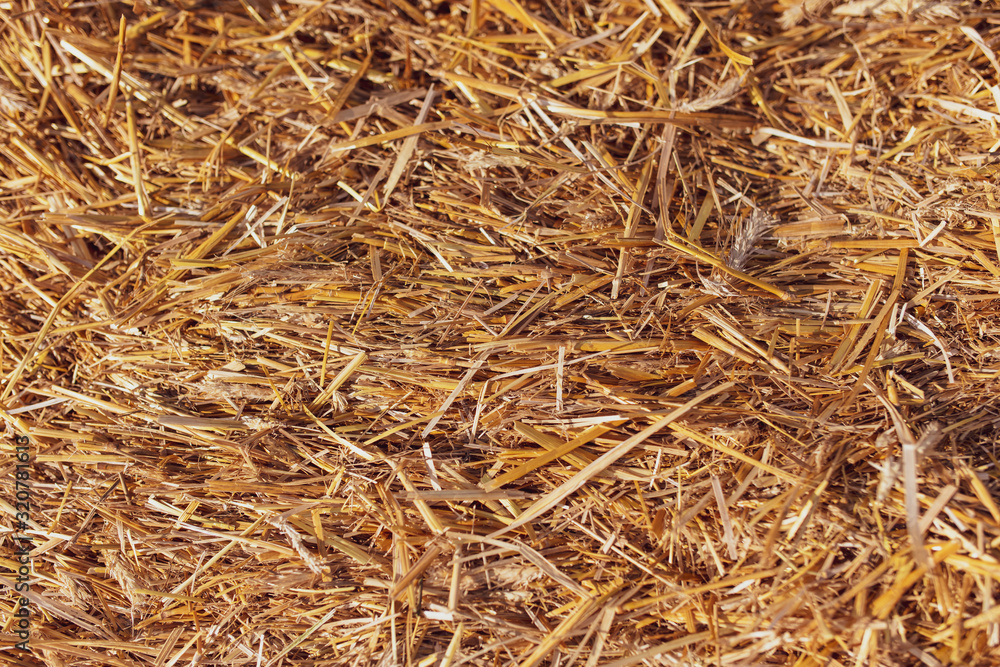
[{"x": 502, "y": 332}]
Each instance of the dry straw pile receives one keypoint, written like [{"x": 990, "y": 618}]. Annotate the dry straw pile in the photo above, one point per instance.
[{"x": 502, "y": 332}]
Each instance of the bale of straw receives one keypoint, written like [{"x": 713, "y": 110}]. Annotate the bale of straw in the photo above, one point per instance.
[{"x": 507, "y": 332}]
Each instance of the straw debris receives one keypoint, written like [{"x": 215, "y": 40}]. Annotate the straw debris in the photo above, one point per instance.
[{"x": 503, "y": 332}]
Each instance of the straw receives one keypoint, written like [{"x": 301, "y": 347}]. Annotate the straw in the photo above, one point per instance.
[{"x": 500, "y": 333}]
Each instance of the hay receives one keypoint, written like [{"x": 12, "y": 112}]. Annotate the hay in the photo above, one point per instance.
[{"x": 501, "y": 332}]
